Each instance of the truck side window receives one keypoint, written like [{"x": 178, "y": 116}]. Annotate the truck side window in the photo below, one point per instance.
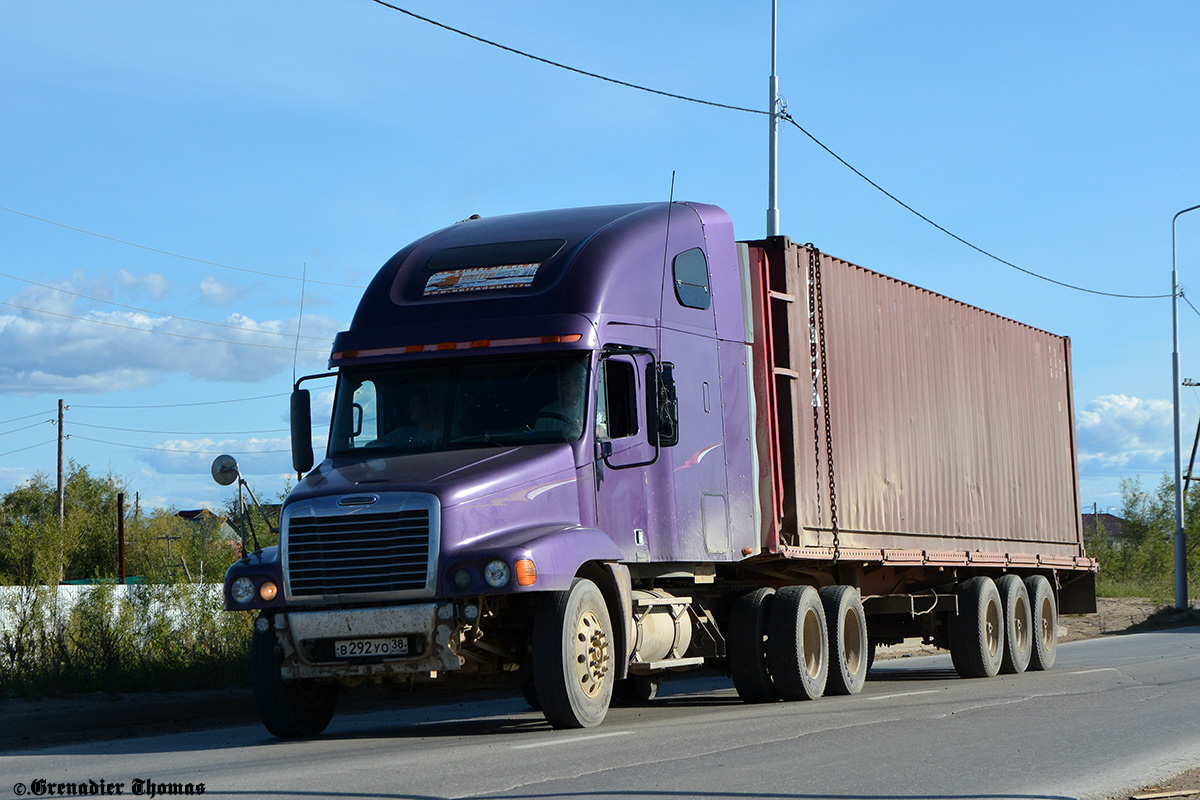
[
  {"x": 691, "y": 279},
  {"x": 616, "y": 400}
]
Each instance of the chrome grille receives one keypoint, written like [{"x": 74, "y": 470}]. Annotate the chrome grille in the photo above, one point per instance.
[{"x": 366, "y": 551}]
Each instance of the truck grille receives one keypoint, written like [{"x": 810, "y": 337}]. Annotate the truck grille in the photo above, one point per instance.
[{"x": 366, "y": 552}]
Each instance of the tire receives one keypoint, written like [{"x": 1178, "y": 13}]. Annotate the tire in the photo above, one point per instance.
[
  {"x": 288, "y": 709},
  {"x": 1044, "y": 612},
  {"x": 746, "y": 641},
  {"x": 637, "y": 690},
  {"x": 872, "y": 651},
  {"x": 529, "y": 692},
  {"x": 977, "y": 630},
  {"x": 798, "y": 643},
  {"x": 849, "y": 651},
  {"x": 573, "y": 656},
  {"x": 1018, "y": 624}
]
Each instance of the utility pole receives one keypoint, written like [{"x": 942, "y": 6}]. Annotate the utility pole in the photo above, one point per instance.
[
  {"x": 1181, "y": 587},
  {"x": 62, "y": 408},
  {"x": 773, "y": 146},
  {"x": 121, "y": 533}
]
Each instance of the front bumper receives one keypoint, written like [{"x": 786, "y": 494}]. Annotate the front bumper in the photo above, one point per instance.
[{"x": 307, "y": 638}]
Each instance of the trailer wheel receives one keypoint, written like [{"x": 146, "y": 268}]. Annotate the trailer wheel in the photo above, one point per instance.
[
  {"x": 1045, "y": 622},
  {"x": 848, "y": 646},
  {"x": 798, "y": 643},
  {"x": 288, "y": 709},
  {"x": 1018, "y": 624},
  {"x": 977, "y": 631},
  {"x": 573, "y": 656},
  {"x": 746, "y": 638}
]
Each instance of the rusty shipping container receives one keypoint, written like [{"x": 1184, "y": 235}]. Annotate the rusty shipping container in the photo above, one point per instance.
[{"x": 909, "y": 428}]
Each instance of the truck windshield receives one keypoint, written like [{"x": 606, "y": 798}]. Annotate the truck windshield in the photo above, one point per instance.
[{"x": 446, "y": 405}]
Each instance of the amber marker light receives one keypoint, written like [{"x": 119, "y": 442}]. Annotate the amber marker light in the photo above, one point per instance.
[
  {"x": 526, "y": 572},
  {"x": 268, "y": 591}
]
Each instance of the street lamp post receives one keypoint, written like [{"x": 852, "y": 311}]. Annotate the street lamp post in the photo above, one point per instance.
[{"x": 1181, "y": 588}]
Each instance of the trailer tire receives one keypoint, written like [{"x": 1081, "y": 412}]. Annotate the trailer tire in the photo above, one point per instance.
[
  {"x": 977, "y": 630},
  {"x": 288, "y": 709},
  {"x": 1018, "y": 624},
  {"x": 798, "y": 643},
  {"x": 1045, "y": 622},
  {"x": 573, "y": 664},
  {"x": 747, "y": 646},
  {"x": 848, "y": 646}
]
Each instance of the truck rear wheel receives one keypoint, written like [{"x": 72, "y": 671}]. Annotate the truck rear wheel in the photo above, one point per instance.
[
  {"x": 746, "y": 639},
  {"x": 287, "y": 708},
  {"x": 1018, "y": 624},
  {"x": 573, "y": 656},
  {"x": 977, "y": 631},
  {"x": 798, "y": 643},
  {"x": 848, "y": 647},
  {"x": 1045, "y": 622}
]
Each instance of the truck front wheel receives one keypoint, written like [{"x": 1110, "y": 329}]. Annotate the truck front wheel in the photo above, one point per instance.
[
  {"x": 573, "y": 663},
  {"x": 287, "y": 708}
]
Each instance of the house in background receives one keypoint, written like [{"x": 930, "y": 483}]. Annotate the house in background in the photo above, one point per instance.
[{"x": 1113, "y": 528}]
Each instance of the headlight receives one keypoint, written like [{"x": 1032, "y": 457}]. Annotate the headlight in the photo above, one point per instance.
[
  {"x": 242, "y": 590},
  {"x": 496, "y": 573}
]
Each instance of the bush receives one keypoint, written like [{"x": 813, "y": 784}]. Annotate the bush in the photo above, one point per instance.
[{"x": 151, "y": 637}]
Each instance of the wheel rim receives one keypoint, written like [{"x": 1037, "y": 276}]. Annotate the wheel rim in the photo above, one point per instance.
[
  {"x": 852, "y": 643},
  {"x": 1021, "y": 625},
  {"x": 1047, "y": 631},
  {"x": 592, "y": 654},
  {"x": 992, "y": 628},
  {"x": 814, "y": 650}
]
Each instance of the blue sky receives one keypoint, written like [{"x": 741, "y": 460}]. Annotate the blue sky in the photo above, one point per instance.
[{"x": 322, "y": 137}]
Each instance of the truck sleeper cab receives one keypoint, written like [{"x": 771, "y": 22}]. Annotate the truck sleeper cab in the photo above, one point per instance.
[{"x": 564, "y": 456}]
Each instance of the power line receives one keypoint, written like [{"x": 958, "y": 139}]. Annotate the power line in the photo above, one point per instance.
[
  {"x": 30, "y": 447},
  {"x": 783, "y": 115},
  {"x": 172, "y": 450},
  {"x": 787, "y": 117},
  {"x": 158, "y": 313},
  {"x": 183, "y": 433},
  {"x": 567, "y": 67},
  {"x": 189, "y": 405},
  {"x": 153, "y": 330},
  {"x": 27, "y": 427},
  {"x": 27, "y": 416},
  {"x": 174, "y": 255}
]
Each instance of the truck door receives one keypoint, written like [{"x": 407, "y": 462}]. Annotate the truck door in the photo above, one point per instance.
[{"x": 623, "y": 453}]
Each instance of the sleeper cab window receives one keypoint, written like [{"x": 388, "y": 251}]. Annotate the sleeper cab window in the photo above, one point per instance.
[{"x": 691, "y": 279}]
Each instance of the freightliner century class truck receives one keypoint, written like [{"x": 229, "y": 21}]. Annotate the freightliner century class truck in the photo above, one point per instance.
[{"x": 577, "y": 451}]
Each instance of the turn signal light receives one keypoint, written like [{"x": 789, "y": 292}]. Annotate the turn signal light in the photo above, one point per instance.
[
  {"x": 526, "y": 572},
  {"x": 267, "y": 591}
]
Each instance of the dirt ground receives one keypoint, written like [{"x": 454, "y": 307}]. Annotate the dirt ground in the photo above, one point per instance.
[{"x": 46, "y": 721}]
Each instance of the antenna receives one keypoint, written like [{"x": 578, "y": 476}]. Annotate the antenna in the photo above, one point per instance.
[{"x": 299, "y": 321}]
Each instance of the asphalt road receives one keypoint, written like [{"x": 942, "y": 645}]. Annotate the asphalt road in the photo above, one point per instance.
[{"x": 1113, "y": 715}]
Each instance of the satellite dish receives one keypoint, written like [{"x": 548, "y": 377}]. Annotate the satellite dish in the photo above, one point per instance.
[{"x": 225, "y": 470}]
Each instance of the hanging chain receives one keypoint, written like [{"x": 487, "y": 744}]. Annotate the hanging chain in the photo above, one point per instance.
[
  {"x": 817, "y": 336},
  {"x": 814, "y": 367}
]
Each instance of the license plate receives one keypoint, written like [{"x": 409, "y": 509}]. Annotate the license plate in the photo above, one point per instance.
[{"x": 359, "y": 648}]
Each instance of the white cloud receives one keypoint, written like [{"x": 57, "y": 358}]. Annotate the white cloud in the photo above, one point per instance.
[
  {"x": 215, "y": 293},
  {"x": 1122, "y": 435},
  {"x": 153, "y": 284},
  {"x": 88, "y": 351}
]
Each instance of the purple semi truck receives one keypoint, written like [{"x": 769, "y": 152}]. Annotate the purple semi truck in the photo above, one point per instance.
[{"x": 574, "y": 452}]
